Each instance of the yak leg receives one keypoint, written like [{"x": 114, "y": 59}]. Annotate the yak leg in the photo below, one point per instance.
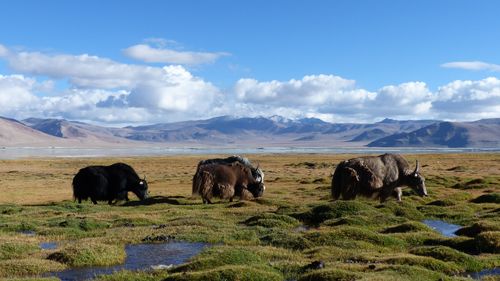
[
  {"x": 386, "y": 192},
  {"x": 398, "y": 193},
  {"x": 79, "y": 200},
  {"x": 94, "y": 201}
]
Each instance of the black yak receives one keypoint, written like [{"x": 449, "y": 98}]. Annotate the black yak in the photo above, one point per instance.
[
  {"x": 376, "y": 177},
  {"x": 226, "y": 181},
  {"x": 107, "y": 183}
]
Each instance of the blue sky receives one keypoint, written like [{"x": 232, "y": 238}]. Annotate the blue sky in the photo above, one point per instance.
[{"x": 131, "y": 62}]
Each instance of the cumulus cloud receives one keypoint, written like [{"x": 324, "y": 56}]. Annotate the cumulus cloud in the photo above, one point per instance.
[
  {"x": 313, "y": 90},
  {"x": 3, "y": 51},
  {"x": 168, "y": 93},
  {"x": 472, "y": 65},
  {"x": 101, "y": 90},
  {"x": 175, "y": 90},
  {"x": 323, "y": 95},
  {"x": 16, "y": 94},
  {"x": 146, "y": 53},
  {"x": 465, "y": 100}
]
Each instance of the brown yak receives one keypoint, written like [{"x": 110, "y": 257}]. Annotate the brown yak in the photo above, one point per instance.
[
  {"x": 226, "y": 181},
  {"x": 376, "y": 177}
]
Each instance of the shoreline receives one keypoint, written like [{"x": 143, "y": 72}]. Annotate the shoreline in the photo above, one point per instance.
[{"x": 12, "y": 153}]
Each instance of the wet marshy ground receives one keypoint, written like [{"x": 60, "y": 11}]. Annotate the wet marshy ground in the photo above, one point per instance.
[
  {"x": 449, "y": 235},
  {"x": 139, "y": 257}
]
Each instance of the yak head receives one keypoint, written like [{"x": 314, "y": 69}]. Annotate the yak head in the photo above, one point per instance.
[
  {"x": 416, "y": 181},
  {"x": 257, "y": 187},
  {"x": 141, "y": 189},
  {"x": 258, "y": 174}
]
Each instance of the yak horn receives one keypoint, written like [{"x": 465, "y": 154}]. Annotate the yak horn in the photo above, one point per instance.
[{"x": 417, "y": 168}]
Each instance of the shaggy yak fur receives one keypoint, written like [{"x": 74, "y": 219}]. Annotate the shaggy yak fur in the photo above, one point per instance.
[
  {"x": 107, "y": 183},
  {"x": 376, "y": 177},
  {"x": 226, "y": 181}
]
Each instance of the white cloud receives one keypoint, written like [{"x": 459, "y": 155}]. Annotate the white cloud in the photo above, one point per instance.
[
  {"x": 407, "y": 99},
  {"x": 82, "y": 70},
  {"x": 468, "y": 100},
  {"x": 472, "y": 65},
  {"x": 101, "y": 90},
  {"x": 147, "y": 53},
  {"x": 16, "y": 95},
  {"x": 3, "y": 51},
  {"x": 167, "y": 93},
  {"x": 313, "y": 90},
  {"x": 176, "y": 90}
]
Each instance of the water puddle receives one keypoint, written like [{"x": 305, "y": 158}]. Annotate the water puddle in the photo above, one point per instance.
[
  {"x": 28, "y": 232},
  {"x": 487, "y": 272},
  {"x": 139, "y": 257},
  {"x": 446, "y": 229},
  {"x": 48, "y": 245}
]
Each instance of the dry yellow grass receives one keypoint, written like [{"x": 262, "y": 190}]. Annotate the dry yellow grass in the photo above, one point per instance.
[{"x": 35, "y": 181}]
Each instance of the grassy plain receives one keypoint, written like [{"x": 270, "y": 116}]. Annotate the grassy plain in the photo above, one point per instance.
[{"x": 276, "y": 237}]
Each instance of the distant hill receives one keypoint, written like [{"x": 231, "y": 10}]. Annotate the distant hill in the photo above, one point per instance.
[
  {"x": 76, "y": 132},
  {"x": 482, "y": 133},
  {"x": 253, "y": 132},
  {"x": 15, "y": 133}
]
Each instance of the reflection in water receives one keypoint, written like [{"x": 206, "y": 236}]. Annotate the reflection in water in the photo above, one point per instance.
[
  {"x": 447, "y": 229},
  {"x": 139, "y": 256}
]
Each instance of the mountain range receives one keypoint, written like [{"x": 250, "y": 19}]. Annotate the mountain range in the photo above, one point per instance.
[{"x": 227, "y": 131}]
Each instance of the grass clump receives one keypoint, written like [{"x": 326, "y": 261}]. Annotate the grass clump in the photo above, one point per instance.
[
  {"x": 403, "y": 209},
  {"x": 335, "y": 210},
  {"x": 126, "y": 275},
  {"x": 90, "y": 254},
  {"x": 487, "y": 198},
  {"x": 229, "y": 273},
  {"x": 286, "y": 239},
  {"x": 411, "y": 226},
  {"x": 226, "y": 263},
  {"x": 404, "y": 272},
  {"x": 16, "y": 250},
  {"x": 488, "y": 242},
  {"x": 351, "y": 233},
  {"x": 329, "y": 275},
  {"x": 425, "y": 262},
  {"x": 270, "y": 220},
  {"x": 477, "y": 228},
  {"x": 27, "y": 267},
  {"x": 465, "y": 261}
]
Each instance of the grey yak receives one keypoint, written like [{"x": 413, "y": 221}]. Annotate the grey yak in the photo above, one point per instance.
[{"x": 376, "y": 177}]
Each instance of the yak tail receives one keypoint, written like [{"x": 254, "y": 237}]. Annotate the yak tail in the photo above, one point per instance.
[
  {"x": 202, "y": 183},
  {"x": 344, "y": 181},
  {"x": 336, "y": 180},
  {"x": 196, "y": 184}
]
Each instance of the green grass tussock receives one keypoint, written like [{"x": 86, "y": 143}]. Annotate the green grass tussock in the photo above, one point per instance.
[
  {"x": 27, "y": 267},
  {"x": 478, "y": 227},
  {"x": 16, "y": 249},
  {"x": 487, "y": 198},
  {"x": 270, "y": 220},
  {"x": 329, "y": 275},
  {"x": 89, "y": 254},
  {"x": 465, "y": 261},
  {"x": 407, "y": 227},
  {"x": 226, "y": 263}
]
